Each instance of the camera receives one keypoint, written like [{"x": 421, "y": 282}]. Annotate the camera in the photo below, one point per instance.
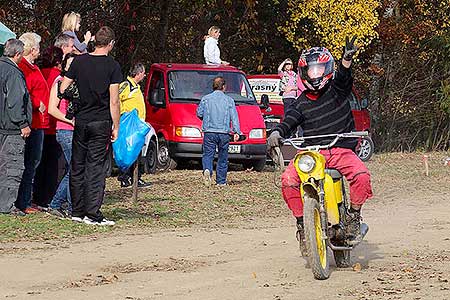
[{"x": 72, "y": 95}]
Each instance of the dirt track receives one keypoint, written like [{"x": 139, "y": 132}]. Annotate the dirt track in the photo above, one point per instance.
[{"x": 405, "y": 256}]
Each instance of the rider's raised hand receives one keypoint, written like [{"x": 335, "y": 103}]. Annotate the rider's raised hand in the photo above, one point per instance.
[
  {"x": 349, "y": 49},
  {"x": 274, "y": 139}
]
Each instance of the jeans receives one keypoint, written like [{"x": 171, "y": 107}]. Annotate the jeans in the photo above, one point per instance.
[
  {"x": 11, "y": 166},
  {"x": 64, "y": 138},
  {"x": 211, "y": 142},
  {"x": 88, "y": 168},
  {"x": 32, "y": 158}
]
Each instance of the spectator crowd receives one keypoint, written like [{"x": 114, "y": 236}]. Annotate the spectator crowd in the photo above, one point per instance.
[
  {"x": 60, "y": 110},
  {"x": 59, "y": 113}
]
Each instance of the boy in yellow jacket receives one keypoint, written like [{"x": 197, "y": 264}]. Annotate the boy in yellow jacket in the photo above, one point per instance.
[{"x": 131, "y": 97}]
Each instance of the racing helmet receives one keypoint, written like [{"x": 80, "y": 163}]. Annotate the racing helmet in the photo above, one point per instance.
[{"x": 316, "y": 68}]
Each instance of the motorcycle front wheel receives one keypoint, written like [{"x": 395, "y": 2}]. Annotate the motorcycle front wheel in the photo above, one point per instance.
[{"x": 315, "y": 244}]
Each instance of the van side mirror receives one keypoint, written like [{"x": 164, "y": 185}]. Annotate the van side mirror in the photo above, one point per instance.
[
  {"x": 364, "y": 103},
  {"x": 157, "y": 98},
  {"x": 264, "y": 101}
]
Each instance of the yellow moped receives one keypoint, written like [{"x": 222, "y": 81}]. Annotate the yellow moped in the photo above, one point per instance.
[{"x": 325, "y": 204}]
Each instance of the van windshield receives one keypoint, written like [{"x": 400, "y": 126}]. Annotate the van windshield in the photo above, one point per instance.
[{"x": 191, "y": 86}]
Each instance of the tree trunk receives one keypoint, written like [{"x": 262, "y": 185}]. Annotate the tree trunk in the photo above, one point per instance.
[{"x": 162, "y": 29}]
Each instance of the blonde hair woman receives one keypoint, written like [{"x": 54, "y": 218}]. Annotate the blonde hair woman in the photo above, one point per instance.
[
  {"x": 211, "y": 50},
  {"x": 70, "y": 24}
]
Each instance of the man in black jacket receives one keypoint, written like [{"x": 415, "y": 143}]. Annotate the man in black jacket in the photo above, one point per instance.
[{"x": 15, "y": 120}]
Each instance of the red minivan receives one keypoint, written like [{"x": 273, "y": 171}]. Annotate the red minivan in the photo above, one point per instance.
[
  {"x": 172, "y": 94},
  {"x": 269, "y": 85}
]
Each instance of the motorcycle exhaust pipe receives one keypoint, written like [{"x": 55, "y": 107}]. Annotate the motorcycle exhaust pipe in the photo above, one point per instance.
[{"x": 364, "y": 229}]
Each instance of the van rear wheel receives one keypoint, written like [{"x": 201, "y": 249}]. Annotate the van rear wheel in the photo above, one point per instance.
[
  {"x": 365, "y": 149},
  {"x": 164, "y": 162},
  {"x": 256, "y": 165}
]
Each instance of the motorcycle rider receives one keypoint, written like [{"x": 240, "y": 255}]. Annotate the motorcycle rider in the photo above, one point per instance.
[{"x": 323, "y": 108}]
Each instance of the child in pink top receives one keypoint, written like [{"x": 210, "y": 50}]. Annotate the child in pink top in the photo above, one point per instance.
[
  {"x": 290, "y": 87},
  {"x": 288, "y": 83}
]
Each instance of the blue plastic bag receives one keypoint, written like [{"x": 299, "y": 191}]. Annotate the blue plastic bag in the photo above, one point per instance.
[{"x": 130, "y": 140}]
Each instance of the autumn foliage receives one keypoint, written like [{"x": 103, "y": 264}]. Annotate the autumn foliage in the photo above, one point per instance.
[{"x": 403, "y": 65}]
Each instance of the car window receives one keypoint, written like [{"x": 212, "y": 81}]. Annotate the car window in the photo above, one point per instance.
[
  {"x": 156, "y": 82},
  {"x": 191, "y": 86}
]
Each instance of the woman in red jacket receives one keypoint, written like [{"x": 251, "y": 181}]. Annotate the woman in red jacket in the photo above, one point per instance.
[
  {"x": 51, "y": 169},
  {"x": 39, "y": 94}
]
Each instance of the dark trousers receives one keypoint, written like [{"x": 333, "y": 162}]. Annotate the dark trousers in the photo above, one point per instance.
[
  {"x": 88, "y": 168},
  {"x": 32, "y": 158},
  {"x": 50, "y": 171},
  {"x": 11, "y": 169},
  {"x": 128, "y": 173}
]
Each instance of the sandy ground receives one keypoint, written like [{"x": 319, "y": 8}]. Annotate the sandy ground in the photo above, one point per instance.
[{"x": 405, "y": 256}]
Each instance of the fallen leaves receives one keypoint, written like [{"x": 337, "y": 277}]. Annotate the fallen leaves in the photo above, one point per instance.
[{"x": 412, "y": 273}]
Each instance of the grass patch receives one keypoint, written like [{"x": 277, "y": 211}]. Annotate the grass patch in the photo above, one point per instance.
[
  {"x": 178, "y": 198},
  {"x": 42, "y": 227}
]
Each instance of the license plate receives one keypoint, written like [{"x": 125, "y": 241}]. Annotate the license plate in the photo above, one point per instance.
[
  {"x": 234, "y": 148},
  {"x": 272, "y": 120}
]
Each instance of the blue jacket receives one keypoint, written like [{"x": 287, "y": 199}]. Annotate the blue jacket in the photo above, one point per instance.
[{"x": 217, "y": 110}]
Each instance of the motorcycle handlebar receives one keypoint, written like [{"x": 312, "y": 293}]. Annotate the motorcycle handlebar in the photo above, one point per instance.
[{"x": 297, "y": 142}]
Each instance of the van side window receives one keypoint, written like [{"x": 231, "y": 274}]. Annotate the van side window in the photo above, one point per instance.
[
  {"x": 156, "y": 90},
  {"x": 354, "y": 104}
]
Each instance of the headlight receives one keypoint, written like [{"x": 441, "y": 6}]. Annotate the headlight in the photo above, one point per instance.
[
  {"x": 257, "y": 134},
  {"x": 306, "y": 163},
  {"x": 188, "y": 132}
]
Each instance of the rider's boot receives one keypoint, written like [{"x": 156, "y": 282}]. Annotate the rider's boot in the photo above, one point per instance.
[
  {"x": 353, "y": 226},
  {"x": 301, "y": 237}
]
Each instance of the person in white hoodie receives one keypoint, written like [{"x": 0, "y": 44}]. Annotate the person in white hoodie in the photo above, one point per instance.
[{"x": 211, "y": 50}]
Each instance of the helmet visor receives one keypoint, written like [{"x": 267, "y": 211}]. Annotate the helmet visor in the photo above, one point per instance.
[{"x": 316, "y": 70}]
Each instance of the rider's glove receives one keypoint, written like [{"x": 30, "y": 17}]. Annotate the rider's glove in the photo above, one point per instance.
[
  {"x": 349, "y": 49},
  {"x": 274, "y": 139}
]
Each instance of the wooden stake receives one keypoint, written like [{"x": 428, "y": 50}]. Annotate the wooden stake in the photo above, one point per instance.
[
  {"x": 425, "y": 162},
  {"x": 135, "y": 181}
]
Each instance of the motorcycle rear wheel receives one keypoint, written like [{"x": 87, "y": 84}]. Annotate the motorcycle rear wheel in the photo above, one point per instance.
[{"x": 315, "y": 245}]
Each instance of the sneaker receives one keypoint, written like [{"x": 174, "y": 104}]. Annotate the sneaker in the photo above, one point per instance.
[
  {"x": 206, "y": 178},
  {"x": 103, "y": 222},
  {"x": 124, "y": 183},
  {"x": 353, "y": 227},
  {"x": 60, "y": 213},
  {"x": 17, "y": 212},
  {"x": 39, "y": 208},
  {"x": 221, "y": 184},
  {"x": 300, "y": 235},
  {"x": 143, "y": 184},
  {"x": 77, "y": 219},
  {"x": 30, "y": 210}
]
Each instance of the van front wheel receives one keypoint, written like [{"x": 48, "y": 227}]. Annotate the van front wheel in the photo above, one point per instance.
[{"x": 164, "y": 162}]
